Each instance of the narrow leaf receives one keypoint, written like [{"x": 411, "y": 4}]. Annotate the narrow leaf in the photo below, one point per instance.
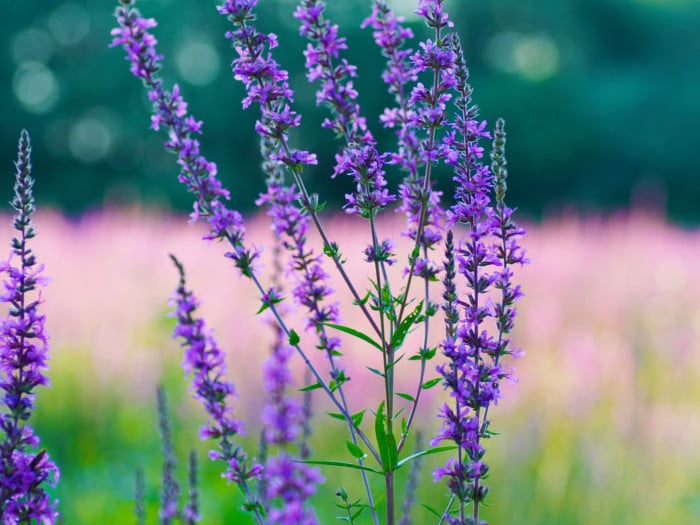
[
  {"x": 355, "y": 333},
  {"x": 422, "y": 453},
  {"x": 403, "y": 328},
  {"x": 310, "y": 387},
  {"x": 380, "y": 433},
  {"x": 335, "y": 415},
  {"x": 406, "y": 396},
  {"x": 375, "y": 371},
  {"x": 431, "y": 383},
  {"x": 343, "y": 464},
  {"x": 431, "y": 510}
]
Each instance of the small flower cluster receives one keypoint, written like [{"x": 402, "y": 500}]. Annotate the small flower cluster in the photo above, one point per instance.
[{"x": 23, "y": 354}]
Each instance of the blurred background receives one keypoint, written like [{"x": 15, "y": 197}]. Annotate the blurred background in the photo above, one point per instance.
[
  {"x": 600, "y": 100},
  {"x": 599, "y": 96}
]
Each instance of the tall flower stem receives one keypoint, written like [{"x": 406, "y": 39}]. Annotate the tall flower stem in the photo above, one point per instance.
[
  {"x": 269, "y": 79},
  {"x": 24, "y": 470}
]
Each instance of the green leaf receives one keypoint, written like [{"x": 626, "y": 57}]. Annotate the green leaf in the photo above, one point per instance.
[
  {"x": 394, "y": 362},
  {"x": 263, "y": 307},
  {"x": 310, "y": 387},
  {"x": 362, "y": 301},
  {"x": 330, "y": 250},
  {"x": 431, "y": 383},
  {"x": 375, "y": 371},
  {"x": 402, "y": 330},
  {"x": 388, "y": 451},
  {"x": 431, "y": 510},
  {"x": 380, "y": 433},
  {"x": 343, "y": 464},
  {"x": 355, "y": 333},
  {"x": 422, "y": 453},
  {"x": 424, "y": 353},
  {"x": 408, "y": 397},
  {"x": 393, "y": 450},
  {"x": 335, "y": 415},
  {"x": 293, "y": 338},
  {"x": 354, "y": 450},
  {"x": 357, "y": 418},
  {"x": 356, "y": 514}
]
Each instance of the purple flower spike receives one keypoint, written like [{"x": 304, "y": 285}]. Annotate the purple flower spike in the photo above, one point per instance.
[
  {"x": 204, "y": 364},
  {"x": 359, "y": 158},
  {"x": 265, "y": 82},
  {"x": 293, "y": 483},
  {"x": 282, "y": 414},
  {"x": 170, "y": 111},
  {"x": 23, "y": 355},
  {"x": 474, "y": 371}
]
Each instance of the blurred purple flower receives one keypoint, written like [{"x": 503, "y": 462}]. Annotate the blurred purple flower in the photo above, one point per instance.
[
  {"x": 204, "y": 364},
  {"x": 23, "y": 355}
]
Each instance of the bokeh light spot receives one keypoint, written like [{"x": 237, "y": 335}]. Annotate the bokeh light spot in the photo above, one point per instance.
[
  {"x": 535, "y": 57},
  {"x": 69, "y": 23},
  {"x": 32, "y": 45},
  {"x": 404, "y": 8},
  {"x": 198, "y": 62},
  {"x": 35, "y": 86},
  {"x": 89, "y": 139}
]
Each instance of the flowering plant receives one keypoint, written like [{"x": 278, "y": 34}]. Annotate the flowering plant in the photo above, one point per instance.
[{"x": 436, "y": 124}]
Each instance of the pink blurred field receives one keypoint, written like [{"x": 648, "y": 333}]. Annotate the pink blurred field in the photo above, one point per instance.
[{"x": 610, "y": 325}]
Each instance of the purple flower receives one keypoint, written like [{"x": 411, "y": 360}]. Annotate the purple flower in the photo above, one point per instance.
[
  {"x": 170, "y": 111},
  {"x": 282, "y": 414},
  {"x": 204, "y": 364},
  {"x": 359, "y": 158},
  {"x": 419, "y": 115},
  {"x": 23, "y": 355},
  {"x": 265, "y": 82},
  {"x": 365, "y": 165},
  {"x": 311, "y": 287},
  {"x": 293, "y": 484},
  {"x": 474, "y": 371}
]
